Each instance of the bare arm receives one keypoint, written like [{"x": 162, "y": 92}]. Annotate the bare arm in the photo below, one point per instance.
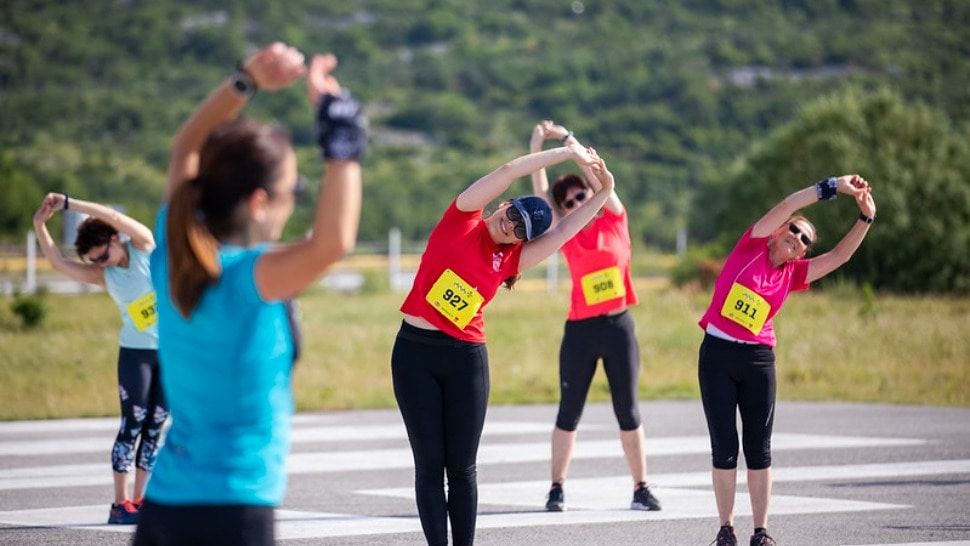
[
  {"x": 540, "y": 181},
  {"x": 542, "y": 247},
  {"x": 487, "y": 188},
  {"x": 851, "y": 184},
  {"x": 560, "y": 133},
  {"x": 821, "y": 266},
  {"x": 86, "y": 273},
  {"x": 141, "y": 236},
  {"x": 285, "y": 272},
  {"x": 272, "y": 68}
]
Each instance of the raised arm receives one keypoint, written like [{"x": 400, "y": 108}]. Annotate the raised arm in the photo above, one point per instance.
[
  {"x": 86, "y": 273},
  {"x": 285, "y": 272},
  {"x": 487, "y": 188},
  {"x": 564, "y": 136},
  {"x": 850, "y": 184},
  {"x": 540, "y": 181},
  {"x": 273, "y": 67},
  {"x": 821, "y": 266},
  {"x": 542, "y": 247},
  {"x": 141, "y": 236}
]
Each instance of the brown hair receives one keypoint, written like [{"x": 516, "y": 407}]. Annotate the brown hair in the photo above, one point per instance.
[
  {"x": 237, "y": 159},
  {"x": 562, "y": 185},
  {"x": 91, "y": 233}
]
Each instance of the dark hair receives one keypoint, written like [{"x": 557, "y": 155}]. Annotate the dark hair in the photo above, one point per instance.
[
  {"x": 238, "y": 158},
  {"x": 562, "y": 185},
  {"x": 91, "y": 233}
]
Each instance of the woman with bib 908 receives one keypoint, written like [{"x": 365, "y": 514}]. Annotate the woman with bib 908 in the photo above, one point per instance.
[
  {"x": 439, "y": 362},
  {"x": 599, "y": 325},
  {"x": 737, "y": 363}
]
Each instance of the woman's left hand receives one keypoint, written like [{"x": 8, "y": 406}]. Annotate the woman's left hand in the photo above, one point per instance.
[
  {"x": 275, "y": 66},
  {"x": 866, "y": 204},
  {"x": 319, "y": 81}
]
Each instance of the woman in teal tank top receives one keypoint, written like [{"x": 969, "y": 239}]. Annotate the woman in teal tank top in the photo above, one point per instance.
[
  {"x": 115, "y": 249},
  {"x": 226, "y": 339}
]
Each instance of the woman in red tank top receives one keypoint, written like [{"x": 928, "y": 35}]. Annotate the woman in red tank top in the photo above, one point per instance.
[
  {"x": 598, "y": 326},
  {"x": 439, "y": 362}
]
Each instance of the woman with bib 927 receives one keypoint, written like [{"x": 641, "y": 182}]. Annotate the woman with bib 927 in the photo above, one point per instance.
[
  {"x": 598, "y": 326},
  {"x": 228, "y": 339},
  {"x": 121, "y": 266},
  {"x": 736, "y": 366},
  {"x": 439, "y": 362}
]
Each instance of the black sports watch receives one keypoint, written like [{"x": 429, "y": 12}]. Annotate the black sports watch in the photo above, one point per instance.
[{"x": 243, "y": 83}]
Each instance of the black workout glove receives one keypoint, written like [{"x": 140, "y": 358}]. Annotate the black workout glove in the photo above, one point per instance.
[{"x": 341, "y": 127}]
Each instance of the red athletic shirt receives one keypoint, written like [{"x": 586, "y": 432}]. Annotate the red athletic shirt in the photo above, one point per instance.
[
  {"x": 600, "y": 247},
  {"x": 460, "y": 242}
]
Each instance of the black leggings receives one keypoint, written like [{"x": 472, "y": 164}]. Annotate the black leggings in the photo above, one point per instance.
[
  {"x": 441, "y": 386},
  {"x": 143, "y": 410},
  {"x": 226, "y": 525},
  {"x": 612, "y": 338},
  {"x": 735, "y": 376}
]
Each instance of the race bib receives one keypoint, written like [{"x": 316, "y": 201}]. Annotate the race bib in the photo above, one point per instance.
[
  {"x": 603, "y": 285},
  {"x": 745, "y": 307},
  {"x": 142, "y": 312},
  {"x": 454, "y": 298}
]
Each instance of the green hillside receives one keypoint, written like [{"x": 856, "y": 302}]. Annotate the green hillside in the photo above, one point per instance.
[{"x": 672, "y": 93}]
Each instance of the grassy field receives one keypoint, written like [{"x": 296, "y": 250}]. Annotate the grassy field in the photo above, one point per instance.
[{"x": 837, "y": 345}]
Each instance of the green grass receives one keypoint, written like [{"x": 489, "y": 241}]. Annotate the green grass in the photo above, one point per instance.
[{"x": 836, "y": 345}]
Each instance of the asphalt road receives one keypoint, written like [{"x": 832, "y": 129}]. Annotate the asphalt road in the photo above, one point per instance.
[{"x": 849, "y": 474}]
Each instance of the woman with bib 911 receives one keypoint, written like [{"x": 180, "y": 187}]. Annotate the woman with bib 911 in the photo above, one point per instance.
[{"x": 737, "y": 361}]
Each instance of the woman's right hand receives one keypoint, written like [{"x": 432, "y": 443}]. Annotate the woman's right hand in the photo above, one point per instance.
[
  {"x": 52, "y": 203},
  {"x": 583, "y": 157},
  {"x": 866, "y": 204},
  {"x": 275, "y": 66}
]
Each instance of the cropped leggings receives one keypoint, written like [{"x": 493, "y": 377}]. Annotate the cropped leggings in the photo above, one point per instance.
[
  {"x": 143, "y": 412},
  {"x": 441, "y": 385},
  {"x": 584, "y": 342},
  {"x": 735, "y": 376}
]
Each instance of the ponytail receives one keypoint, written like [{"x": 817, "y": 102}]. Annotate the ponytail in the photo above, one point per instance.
[
  {"x": 510, "y": 281},
  {"x": 193, "y": 252}
]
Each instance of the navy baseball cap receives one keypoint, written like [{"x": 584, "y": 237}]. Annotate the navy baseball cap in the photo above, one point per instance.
[{"x": 536, "y": 214}]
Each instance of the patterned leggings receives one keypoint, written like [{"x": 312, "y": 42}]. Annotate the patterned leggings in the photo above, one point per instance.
[{"x": 143, "y": 412}]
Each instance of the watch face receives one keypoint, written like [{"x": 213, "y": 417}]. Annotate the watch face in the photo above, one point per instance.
[{"x": 240, "y": 85}]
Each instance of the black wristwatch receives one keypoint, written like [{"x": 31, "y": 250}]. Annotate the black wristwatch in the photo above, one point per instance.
[
  {"x": 243, "y": 83},
  {"x": 866, "y": 219}
]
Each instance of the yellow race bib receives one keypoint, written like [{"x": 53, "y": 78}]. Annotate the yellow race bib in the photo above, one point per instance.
[
  {"x": 603, "y": 285},
  {"x": 454, "y": 298},
  {"x": 142, "y": 312},
  {"x": 745, "y": 307}
]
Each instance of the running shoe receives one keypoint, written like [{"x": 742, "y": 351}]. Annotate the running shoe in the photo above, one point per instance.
[
  {"x": 643, "y": 499},
  {"x": 138, "y": 503},
  {"x": 761, "y": 538},
  {"x": 123, "y": 513},
  {"x": 556, "y": 500},
  {"x": 725, "y": 537}
]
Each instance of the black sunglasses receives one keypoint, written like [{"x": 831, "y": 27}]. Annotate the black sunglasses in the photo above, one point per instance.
[
  {"x": 797, "y": 231},
  {"x": 518, "y": 222},
  {"x": 104, "y": 255},
  {"x": 568, "y": 204}
]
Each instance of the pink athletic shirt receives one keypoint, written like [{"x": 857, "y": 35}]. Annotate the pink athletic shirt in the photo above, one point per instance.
[{"x": 749, "y": 266}]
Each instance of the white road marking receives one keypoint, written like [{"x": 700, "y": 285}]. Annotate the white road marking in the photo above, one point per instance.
[
  {"x": 293, "y": 524},
  {"x": 614, "y": 492},
  {"x": 78, "y": 475},
  {"x": 299, "y": 435}
]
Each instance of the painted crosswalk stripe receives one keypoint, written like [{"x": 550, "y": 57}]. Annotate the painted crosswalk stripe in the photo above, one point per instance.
[
  {"x": 313, "y": 462},
  {"x": 293, "y": 524},
  {"x": 302, "y": 435}
]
